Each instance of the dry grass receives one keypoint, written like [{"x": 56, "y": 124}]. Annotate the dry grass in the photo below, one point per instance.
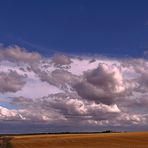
[{"x": 111, "y": 140}]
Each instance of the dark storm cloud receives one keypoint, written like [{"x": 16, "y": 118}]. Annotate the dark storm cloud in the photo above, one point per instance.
[
  {"x": 102, "y": 79},
  {"x": 100, "y": 85},
  {"x": 90, "y": 92}
]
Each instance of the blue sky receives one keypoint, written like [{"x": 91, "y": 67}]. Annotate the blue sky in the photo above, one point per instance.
[
  {"x": 115, "y": 28},
  {"x": 73, "y": 65}
]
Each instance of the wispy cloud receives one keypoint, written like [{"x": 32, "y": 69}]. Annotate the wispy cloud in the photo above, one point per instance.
[{"x": 31, "y": 45}]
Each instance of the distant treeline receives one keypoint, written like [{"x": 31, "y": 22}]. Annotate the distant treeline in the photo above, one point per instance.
[{"x": 106, "y": 131}]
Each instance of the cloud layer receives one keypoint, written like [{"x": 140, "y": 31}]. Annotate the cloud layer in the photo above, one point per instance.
[{"x": 70, "y": 91}]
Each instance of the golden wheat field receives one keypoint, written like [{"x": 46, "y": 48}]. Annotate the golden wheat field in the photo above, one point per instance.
[{"x": 106, "y": 140}]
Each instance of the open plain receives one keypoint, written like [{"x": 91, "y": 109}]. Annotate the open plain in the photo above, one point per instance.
[{"x": 100, "y": 140}]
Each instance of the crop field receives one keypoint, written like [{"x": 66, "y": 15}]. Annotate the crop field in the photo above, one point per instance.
[{"x": 100, "y": 140}]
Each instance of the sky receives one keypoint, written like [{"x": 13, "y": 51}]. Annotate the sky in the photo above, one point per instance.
[
  {"x": 77, "y": 26},
  {"x": 73, "y": 65}
]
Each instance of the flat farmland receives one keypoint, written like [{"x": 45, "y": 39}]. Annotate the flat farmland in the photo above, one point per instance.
[{"x": 100, "y": 140}]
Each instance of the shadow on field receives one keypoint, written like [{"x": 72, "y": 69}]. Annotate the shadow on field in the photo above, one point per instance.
[{"x": 5, "y": 142}]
